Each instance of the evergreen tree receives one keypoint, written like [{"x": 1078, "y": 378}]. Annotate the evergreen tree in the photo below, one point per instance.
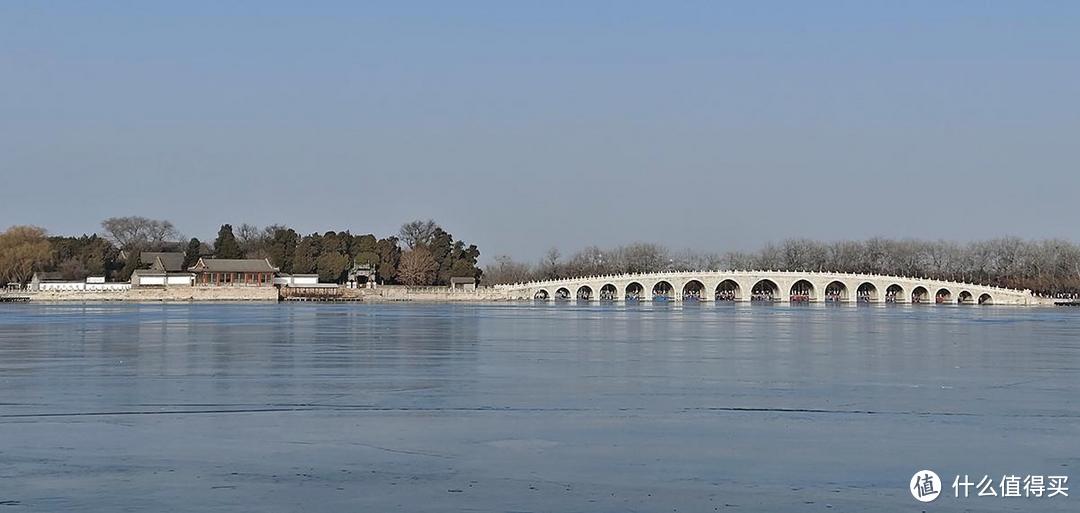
[
  {"x": 226, "y": 246},
  {"x": 336, "y": 242},
  {"x": 366, "y": 250},
  {"x": 332, "y": 266},
  {"x": 389, "y": 258},
  {"x": 281, "y": 249},
  {"x": 441, "y": 247},
  {"x": 130, "y": 265},
  {"x": 192, "y": 252},
  {"x": 305, "y": 259},
  {"x": 79, "y": 257}
]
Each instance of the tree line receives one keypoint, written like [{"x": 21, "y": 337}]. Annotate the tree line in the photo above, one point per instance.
[
  {"x": 1044, "y": 266},
  {"x": 422, "y": 253}
]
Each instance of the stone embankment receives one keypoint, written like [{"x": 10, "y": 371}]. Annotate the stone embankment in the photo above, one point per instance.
[
  {"x": 158, "y": 294},
  {"x": 387, "y": 293}
]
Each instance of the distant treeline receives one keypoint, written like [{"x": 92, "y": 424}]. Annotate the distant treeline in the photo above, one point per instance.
[
  {"x": 1044, "y": 266},
  {"x": 422, "y": 253}
]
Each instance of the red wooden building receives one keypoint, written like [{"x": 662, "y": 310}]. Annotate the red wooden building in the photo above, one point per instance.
[{"x": 229, "y": 272}]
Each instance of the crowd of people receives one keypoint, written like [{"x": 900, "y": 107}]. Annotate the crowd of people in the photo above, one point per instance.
[
  {"x": 726, "y": 295},
  {"x": 1067, "y": 296},
  {"x": 763, "y": 295},
  {"x": 800, "y": 295}
]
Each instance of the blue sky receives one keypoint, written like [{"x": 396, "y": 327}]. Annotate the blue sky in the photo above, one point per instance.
[{"x": 522, "y": 125}]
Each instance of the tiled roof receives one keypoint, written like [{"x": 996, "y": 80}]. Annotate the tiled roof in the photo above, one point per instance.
[
  {"x": 234, "y": 265},
  {"x": 50, "y": 276},
  {"x": 171, "y": 261}
]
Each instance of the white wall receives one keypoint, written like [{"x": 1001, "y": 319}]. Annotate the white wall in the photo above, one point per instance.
[
  {"x": 151, "y": 280},
  {"x": 180, "y": 280},
  {"x": 301, "y": 280},
  {"x": 108, "y": 287},
  {"x": 80, "y": 285},
  {"x": 63, "y": 285},
  {"x": 297, "y": 280}
]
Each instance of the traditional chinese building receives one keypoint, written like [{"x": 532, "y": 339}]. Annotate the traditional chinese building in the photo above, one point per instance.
[
  {"x": 49, "y": 281},
  {"x": 226, "y": 272},
  {"x": 462, "y": 283},
  {"x": 161, "y": 269},
  {"x": 164, "y": 261}
]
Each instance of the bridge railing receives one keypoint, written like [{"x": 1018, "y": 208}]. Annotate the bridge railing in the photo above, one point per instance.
[{"x": 663, "y": 274}]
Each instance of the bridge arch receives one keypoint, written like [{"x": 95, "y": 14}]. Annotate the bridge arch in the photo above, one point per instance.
[
  {"x": 765, "y": 290},
  {"x": 802, "y": 291},
  {"x": 894, "y": 294},
  {"x": 693, "y": 290},
  {"x": 663, "y": 291},
  {"x": 866, "y": 293},
  {"x": 836, "y": 291},
  {"x": 728, "y": 290},
  {"x": 768, "y": 285}
]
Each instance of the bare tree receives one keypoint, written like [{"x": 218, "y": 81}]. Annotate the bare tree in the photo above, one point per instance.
[
  {"x": 550, "y": 265},
  {"x": 1050, "y": 266},
  {"x": 641, "y": 257},
  {"x": 22, "y": 250},
  {"x": 418, "y": 233},
  {"x": 690, "y": 260},
  {"x": 250, "y": 238},
  {"x": 506, "y": 270},
  {"x": 769, "y": 258},
  {"x": 842, "y": 255},
  {"x": 737, "y": 261},
  {"x": 417, "y": 267},
  {"x": 590, "y": 261},
  {"x": 135, "y": 232}
]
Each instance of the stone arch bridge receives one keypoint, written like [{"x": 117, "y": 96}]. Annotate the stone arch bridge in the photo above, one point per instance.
[{"x": 791, "y": 286}]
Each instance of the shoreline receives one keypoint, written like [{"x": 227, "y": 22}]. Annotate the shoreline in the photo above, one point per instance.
[
  {"x": 428, "y": 298},
  {"x": 385, "y": 294},
  {"x": 381, "y": 294}
]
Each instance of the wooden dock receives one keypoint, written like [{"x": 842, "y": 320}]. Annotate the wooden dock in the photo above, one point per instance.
[{"x": 14, "y": 299}]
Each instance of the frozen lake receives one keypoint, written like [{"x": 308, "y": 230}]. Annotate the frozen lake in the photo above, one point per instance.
[{"x": 597, "y": 408}]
